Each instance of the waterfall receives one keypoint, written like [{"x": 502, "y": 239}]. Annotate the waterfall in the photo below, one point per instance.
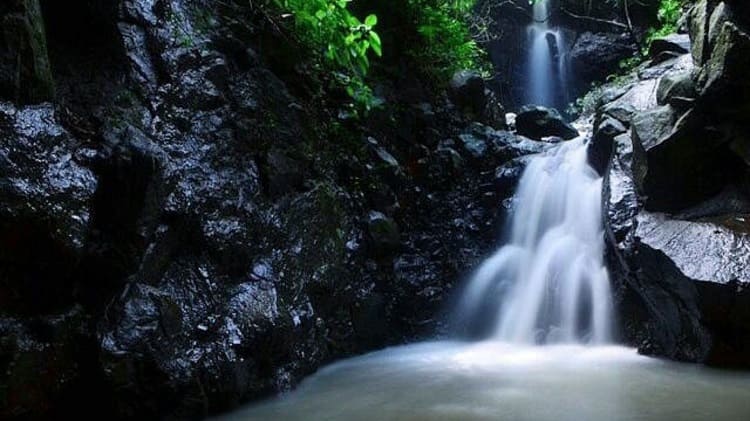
[
  {"x": 547, "y": 62},
  {"x": 549, "y": 283}
]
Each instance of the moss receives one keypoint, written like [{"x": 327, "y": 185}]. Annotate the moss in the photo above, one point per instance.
[{"x": 25, "y": 73}]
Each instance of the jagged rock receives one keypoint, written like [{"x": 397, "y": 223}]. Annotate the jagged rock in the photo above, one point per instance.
[
  {"x": 600, "y": 147},
  {"x": 469, "y": 93},
  {"x": 699, "y": 16},
  {"x": 620, "y": 196},
  {"x": 724, "y": 76},
  {"x": 467, "y": 90},
  {"x": 538, "y": 122},
  {"x": 680, "y": 275},
  {"x": 720, "y": 15},
  {"x": 45, "y": 218},
  {"x": 475, "y": 147},
  {"x": 639, "y": 97},
  {"x": 509, "y": 174},
  {"x": 675, "y": 86},
  {"x": 284, "y": 174}
]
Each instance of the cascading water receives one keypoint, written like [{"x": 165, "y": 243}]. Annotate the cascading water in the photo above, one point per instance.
[
  {"x": 550, "y": 279},
  {"x": 549, "y": 282},
  {"x": 547, "y": 63}
]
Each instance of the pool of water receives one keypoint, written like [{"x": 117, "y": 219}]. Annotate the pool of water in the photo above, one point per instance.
[{"x": 497, "y": 381}]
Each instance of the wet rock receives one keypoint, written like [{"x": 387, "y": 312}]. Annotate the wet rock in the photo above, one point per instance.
[
  {"x": 700, "y": 256},
  {"x": 508, "y": 175},
  {"x": 724, "y": 75},
  {"x": 538, "y": 122},
  {"x": 675, "y": 86},
  {"x": 469, "y": 93},
  {"x": 45, "y": 218},
  {"x": 594, "y": 56},
  {"x": 698, "y": 22},
  {"x": 284, "y": 173},
  {"x": 675, "y": 211},
  {"x": 384, "y": 233},
  {"x": 475, "y": 147},
  {"x": 620, "y": 196},
  {"x": 720, "y": 15},
  {"x": 639, "y": 97},
  {"x": 674, "y": 43},
  {"x": 213, "y": 240},
  {"x": 600, "y": 147}
]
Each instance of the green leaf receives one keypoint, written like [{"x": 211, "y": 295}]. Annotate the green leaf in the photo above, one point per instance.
[
  {"x": 376, "y": 44},
  {"x": 371, "y": 20}
]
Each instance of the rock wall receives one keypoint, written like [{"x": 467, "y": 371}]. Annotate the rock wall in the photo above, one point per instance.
[
  {"x": 184, "y": 227},
  {"x": 677, "y": 194}
]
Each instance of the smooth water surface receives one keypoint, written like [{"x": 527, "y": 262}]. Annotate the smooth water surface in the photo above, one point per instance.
[{"x": 498, "y": 381}]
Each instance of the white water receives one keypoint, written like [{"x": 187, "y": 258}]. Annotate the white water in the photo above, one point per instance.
[
  {"x": 547, "y": 285},
  {"x": 453, "y": 381},
  {"x": 550, "y": 279},
  {"x": 547, "y": 73}
]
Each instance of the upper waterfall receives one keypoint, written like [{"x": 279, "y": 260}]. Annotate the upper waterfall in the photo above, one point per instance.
[{"x": 547, "y": 62}]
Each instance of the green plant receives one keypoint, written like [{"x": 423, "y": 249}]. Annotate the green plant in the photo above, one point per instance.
[
  {"x": 446, "y": 44},
  {"x": 339, "y": 40},
  {"x": 669, "y": 14}
]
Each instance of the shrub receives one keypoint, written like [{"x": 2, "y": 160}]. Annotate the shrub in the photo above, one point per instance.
[
  {"x": 446, "y": 43},
  {"x": 339, "y": 40},
  {"x": 669, "y": 14}
]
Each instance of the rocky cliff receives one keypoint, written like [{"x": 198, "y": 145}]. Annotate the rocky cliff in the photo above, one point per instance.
[
  {"x": 183, "y": 227},
  {"x": 673, "y": 139}
]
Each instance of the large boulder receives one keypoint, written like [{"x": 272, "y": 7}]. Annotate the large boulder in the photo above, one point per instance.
[
  {"x": 537, "y": 122},
  {"x": 676, "y": 89},
  {"x": 699, "y": 20},
  {"x": 469, "y": 93},
  {"x": 45, "y": 214},
  {"x": 594, "y": 56},
  {"x": 675, "y": 209},
  {"x": 723, "y": 78}
]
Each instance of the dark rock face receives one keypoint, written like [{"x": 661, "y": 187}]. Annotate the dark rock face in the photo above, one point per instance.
[
  {"x": 537, "y": 122},
  {"x": 469, "y": 94},
  {"x": 45, "y": 194},
  {"x": 594, "y": 56},
  {"x": 176, "y": 237},
  {"x": 677, "y": 200}
]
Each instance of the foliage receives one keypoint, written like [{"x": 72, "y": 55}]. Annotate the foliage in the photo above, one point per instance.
[
  {"x": 447, "y": 45},
  {"x": 340, "y": 41},
  {"x": 668, "y": 15}
]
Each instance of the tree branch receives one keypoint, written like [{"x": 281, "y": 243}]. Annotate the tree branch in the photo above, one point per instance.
[{"x": 597, "y": 20}]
